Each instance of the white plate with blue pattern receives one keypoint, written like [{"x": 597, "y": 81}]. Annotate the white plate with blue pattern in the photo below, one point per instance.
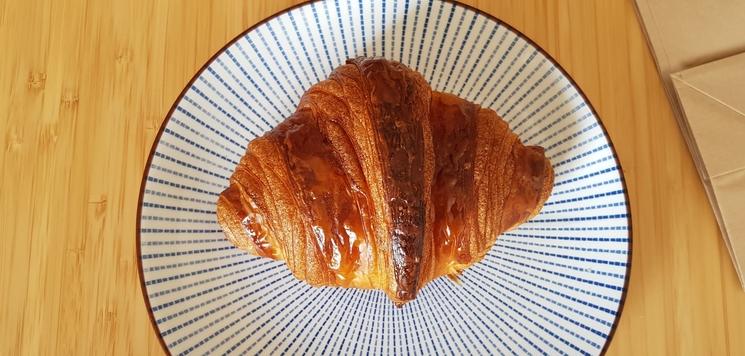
[{"x": 554, "y": 285}]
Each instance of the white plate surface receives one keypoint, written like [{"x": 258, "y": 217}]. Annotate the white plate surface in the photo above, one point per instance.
[{"x": 554, "y": 285}]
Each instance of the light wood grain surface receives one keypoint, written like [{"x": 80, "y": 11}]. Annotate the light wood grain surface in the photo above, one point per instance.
[{"x": 84, "y": 86}]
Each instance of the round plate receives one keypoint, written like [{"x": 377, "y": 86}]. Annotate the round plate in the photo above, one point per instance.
[{"x": 553, "y": 285}]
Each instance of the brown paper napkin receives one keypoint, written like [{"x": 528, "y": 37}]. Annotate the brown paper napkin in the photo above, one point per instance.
[
  {"x": 713, "y": 100},
  {"x": 688, "y": 39}
]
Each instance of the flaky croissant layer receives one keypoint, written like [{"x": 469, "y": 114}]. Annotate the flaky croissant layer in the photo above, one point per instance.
[{"x": 376, "y": 181}]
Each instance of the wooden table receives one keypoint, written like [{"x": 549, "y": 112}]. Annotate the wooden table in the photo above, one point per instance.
[{"x": 84, "y": 86}]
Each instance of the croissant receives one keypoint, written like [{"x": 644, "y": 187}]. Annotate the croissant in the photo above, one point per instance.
[{"x": 378, "y": 182}]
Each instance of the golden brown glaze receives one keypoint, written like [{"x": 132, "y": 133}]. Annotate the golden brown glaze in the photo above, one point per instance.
[{"x": 378, "y": 182}]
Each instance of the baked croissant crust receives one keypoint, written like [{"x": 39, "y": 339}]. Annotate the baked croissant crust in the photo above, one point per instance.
[{"x": 378, "y": 182}]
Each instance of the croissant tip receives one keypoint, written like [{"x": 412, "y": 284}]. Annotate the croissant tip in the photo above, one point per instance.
[{"x": 455, "y": 279}]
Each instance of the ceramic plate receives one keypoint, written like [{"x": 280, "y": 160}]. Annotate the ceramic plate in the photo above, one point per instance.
[{"x": 554, "y": 285}]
